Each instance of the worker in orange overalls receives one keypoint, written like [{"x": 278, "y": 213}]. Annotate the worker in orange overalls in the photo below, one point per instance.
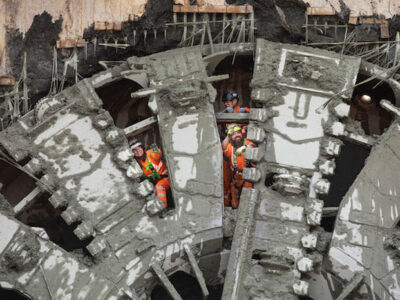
[
  {"x": 231, "y": 99},
  {"x": 154, "y": 168},
  {"x": 234, "y": 146}
]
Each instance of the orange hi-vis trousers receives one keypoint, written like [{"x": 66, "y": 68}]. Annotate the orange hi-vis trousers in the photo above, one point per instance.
[
  {"x": 236, "y": 186},
  {"x": 162, "y": 186},
  {"x": 227, "y": 172}
]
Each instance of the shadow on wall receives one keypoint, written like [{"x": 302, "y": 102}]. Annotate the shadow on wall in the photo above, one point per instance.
[
  {"x": 348, "y": 165},
  {"x": 11, "y": 295},
  {"x": 373, "y": 118},
  {"x": 16, "y": 184},
  {"x": 187, "y": 287},
  {"x": 125, "y": 111}
]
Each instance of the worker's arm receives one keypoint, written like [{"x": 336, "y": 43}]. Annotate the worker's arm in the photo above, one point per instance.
[
  {"x": 155, "y": 153},
  {"x": 244, "y": 110},
  {"x": 250, "y": 144},
  {"x": 225, "y": 142}
]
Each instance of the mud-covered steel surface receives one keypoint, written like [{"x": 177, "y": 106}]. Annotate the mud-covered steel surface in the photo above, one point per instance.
[
  {"x": 275, "y": 245},
  {"x": 89, "y": 170},
  {"x": 366, "y": 235},
  {"x": 39, "y": 269},
  {"x": 301, "y": 83},
  {"x": 86, "y": 166}
]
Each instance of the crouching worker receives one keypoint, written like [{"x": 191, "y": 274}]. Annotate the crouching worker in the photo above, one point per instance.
[
  {"x": 234, "y": 146},
  {"x": 154, "y": 168}
]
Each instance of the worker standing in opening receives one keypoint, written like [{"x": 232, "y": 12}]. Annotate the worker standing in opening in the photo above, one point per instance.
[
  {"x": 231, "y": 99},
  {"x": 234, "y": 146},
  {"x": 154, "y": 168}
]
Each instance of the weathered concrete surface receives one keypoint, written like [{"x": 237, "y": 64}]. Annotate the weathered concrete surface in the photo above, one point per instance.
[
  {"x": 387, "y": 9},
  {"x": 366, "y": 229},
  {"x": 77, "y": 16},
  {"x": 35, "y": 27}
]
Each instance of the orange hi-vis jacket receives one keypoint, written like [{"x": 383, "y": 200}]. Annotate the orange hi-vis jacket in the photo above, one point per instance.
[
  {"x": 237, "y": 108},
  {"x": 153, "y": 162},
  {"x": 233, "y": 182},
  {"x": 237, "y": 162},
  {"x": 155, "y": 170},
  {"x": 236, "y": 111}
]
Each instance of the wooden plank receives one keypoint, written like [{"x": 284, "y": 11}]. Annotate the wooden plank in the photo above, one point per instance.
[
  {"x": 140, "y": 127},
  {"x": 232, "y": 9},
  {"x": 371, "y": 20},
  {"x": 249, "y": 9},
  {"x": 236, "y": 9},
  {"x": 109, "y": 25},
  {"x": 71, "y": 43},
  {"x": 353, "y": 20},
  {"x": 80, "y": 43},
  {"x": 7, "y": 80},
  {"x": 99, "y": 25},
  {"x": 212, "y": 9},
  {"x": 385, "y": 31},
  {"x": 320, "y": 11},
  {"x": 176, "y": 8},
  {"x": 187, "y": 8},
  {"x": 117, "y": 26}
]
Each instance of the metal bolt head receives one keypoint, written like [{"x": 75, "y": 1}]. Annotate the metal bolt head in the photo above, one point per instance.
[{"x": 366, "y": 98}]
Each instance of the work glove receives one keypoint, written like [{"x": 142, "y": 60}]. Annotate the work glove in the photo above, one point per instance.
[
  {"x": 228, "y": 110},
  {"x": 243, "y": 110},
  {"x": 240, "y": 150}
]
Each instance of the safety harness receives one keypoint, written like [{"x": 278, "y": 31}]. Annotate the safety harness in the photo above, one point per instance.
[{"x": 155, "y": 175}]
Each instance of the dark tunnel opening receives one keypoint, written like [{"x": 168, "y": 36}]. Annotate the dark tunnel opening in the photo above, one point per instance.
[
  {"x": 11, "y": 295},
  {"x": 349, "y": 164},
  {"x": 373, "y": 118},
  {"x": 17, "y": 188},
  {"x": 42, "y": 214},
  {"x": 240, "y": 70},
  {"x": 16, "y": 184},
  {"x": 187, "y": 287},
  {"x": 116, "y": 97}
]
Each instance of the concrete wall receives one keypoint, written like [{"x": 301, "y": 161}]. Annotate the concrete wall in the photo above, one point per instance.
[
  {"x": 77, "y": 16},
  {"x": 384, "y": 8}
]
